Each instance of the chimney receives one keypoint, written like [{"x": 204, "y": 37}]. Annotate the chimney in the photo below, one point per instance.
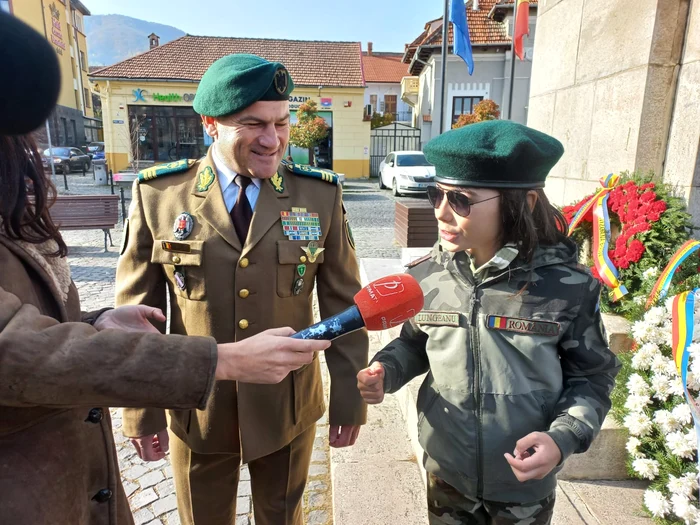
[
  {"x": 154, "y": 40},
  {"x": 369, "y": 48},
  {"x": 475, "y": 5}
]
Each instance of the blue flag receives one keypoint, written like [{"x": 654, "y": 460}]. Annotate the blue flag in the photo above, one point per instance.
[{"x": 462, "y": 46}]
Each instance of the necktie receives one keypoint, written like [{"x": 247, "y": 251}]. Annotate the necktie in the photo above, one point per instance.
[{"x": 242, "y": 213}]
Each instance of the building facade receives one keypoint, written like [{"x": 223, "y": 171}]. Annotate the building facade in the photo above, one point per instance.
[
  {"x": 147, "y": 100},
  {"x": 383, "y": 73},
  {"x": 620, "y": 92},
  {"x": 490, "y": 27},
  {"x": 73, "y": 122}
]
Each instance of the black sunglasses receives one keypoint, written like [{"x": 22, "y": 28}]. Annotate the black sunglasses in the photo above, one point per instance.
[{"x": 458, "y": 201}]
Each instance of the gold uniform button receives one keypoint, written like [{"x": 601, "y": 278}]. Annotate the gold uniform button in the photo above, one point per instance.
[
  {"x": 176, "y": 259},
  {"x": 244, "y": 293},
  {"x": 243, "y": 324},
  {"x": 243, "y": 263},
  {"x": 302, "y": 259}
]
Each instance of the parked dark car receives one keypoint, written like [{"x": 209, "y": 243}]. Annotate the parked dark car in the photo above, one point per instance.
[{"x": 66, "y": 160}]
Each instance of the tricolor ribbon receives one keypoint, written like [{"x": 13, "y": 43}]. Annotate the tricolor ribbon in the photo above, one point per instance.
[
  {"x": 664, "y": 281},
  {"x": 683, "y": 313},
  {"x": 601, "y": 234}
]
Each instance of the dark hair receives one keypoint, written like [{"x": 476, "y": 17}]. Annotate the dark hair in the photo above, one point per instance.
[
  {"x": 544, "y": 224},
  {"x": 21, "y": 178}
]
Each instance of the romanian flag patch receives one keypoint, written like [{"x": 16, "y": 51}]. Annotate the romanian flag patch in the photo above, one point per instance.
[{"x": 523, "y": 326}]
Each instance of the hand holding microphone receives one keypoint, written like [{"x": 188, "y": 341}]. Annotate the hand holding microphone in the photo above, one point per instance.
[{"x": 382, "y": 304}]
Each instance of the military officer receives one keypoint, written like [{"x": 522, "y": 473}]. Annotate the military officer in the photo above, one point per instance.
[{"x": 239, "y": 238}]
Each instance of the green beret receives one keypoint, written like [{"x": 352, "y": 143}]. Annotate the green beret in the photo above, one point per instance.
[
  {"x": 235, "y": 82},
  {"x": 493, "y": 154}
]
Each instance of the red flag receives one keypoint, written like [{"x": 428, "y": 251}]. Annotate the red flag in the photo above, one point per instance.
[{"x": 522, "y": 26}]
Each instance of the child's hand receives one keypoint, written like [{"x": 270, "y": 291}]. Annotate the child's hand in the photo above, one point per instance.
[
  {"x": 535, "y": 456},
  {"x": 370, "y": 382}
]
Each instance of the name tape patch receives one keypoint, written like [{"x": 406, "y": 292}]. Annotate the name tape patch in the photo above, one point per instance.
[
  {"x": 437, "y": 318},
  {"x": 523, "y": 326}
]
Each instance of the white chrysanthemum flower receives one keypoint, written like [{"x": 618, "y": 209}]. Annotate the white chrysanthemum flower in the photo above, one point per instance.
[
  {"x": 646, "y": 468},
  {"x": 632, "y": 446},
  {"x": 693, "y": 379},
  {"x": 692, "y": 438},
  {"x": 656, "y": 316},
  {"x": 638, "y": 386},
  {"x": 657, "y": 503},
  {"x": 660, "y": 364},
  {"x": 638, "y": 424},
  {"x": 694, "y": 351},
  {"x": 644, "y": 357},
  {"x": 642, "y": 332},
  {"x": 666, "y": 421},
  {"x": 677, "y": 443},
  {"x": 676, "y": 386},
  {"x": 682, "y": 414},
  {"x": 685, "y": 485},
  {"x": 683, "y": 508},
  {"x": 651, "y": 273},
  {"x": 640, "y": 300},
  {"x": 660, "y": 386},
  {"x": 637, "y": 403}
]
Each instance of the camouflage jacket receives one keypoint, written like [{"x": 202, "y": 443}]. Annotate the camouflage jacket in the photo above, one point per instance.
[{"x": 502, "y": 364}]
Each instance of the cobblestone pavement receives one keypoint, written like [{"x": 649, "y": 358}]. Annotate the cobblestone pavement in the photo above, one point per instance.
[{"x": 150, "y": 485}]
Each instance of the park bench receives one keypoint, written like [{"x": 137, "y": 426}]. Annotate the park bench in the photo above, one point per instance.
[{"x": 87, "y": 212}]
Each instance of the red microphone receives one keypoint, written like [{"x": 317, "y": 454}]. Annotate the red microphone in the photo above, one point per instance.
[{"x": 386, "y": 302}]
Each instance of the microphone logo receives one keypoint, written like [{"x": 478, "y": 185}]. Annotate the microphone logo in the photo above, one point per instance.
[{"x": 386, "y": 288}]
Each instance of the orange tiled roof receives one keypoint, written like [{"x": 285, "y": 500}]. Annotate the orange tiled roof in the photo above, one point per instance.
[
  {"x": 311, "y": 63},
  {"x": 384, "y": 67},
  {"x": 482, "y": 29}
]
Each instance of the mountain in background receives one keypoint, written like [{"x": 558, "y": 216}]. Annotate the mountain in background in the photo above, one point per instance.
[{"x": 113, "y": 38}]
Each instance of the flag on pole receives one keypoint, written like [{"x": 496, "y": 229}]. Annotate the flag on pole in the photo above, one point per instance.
[
  {"x": 462, "y": 46},
  {"x": 521, "y": 26}
]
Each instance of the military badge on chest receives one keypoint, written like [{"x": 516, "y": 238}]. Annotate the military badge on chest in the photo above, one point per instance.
[
  {"x": 182, "y": 228},
  {"x": 300, "y": 225}
]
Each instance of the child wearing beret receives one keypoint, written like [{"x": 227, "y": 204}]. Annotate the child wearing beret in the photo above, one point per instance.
[{"x": 519, "y": 373}]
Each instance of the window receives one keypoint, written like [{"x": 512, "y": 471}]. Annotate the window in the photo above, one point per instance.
[
  {"x": 83, "y": 62},
  {"x": 77, "y": 21},
  {"x": 5, "y": 5},
  {"x": 388, "y": 158},
  {"x": 74, "y": 138},
  {"x": 165, "y": 133},
  {"x": 463, "y": 105},
  {"x": 86, "y": 91},
  {"x": 417, "y": 159},
  {"x": 373, "y": 103},
  {"x": 64, "y": 122},
  {"x": 390, "y": 104}
]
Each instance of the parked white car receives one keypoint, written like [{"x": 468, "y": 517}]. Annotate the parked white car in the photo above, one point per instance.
[{"x": 406, "y": 172}]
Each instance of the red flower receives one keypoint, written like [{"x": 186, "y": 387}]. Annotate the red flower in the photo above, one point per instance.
[
  {"x": 635, "y": 251},
  {"x": 648, "y": 196},
  {"x": 594, "y": 272}
]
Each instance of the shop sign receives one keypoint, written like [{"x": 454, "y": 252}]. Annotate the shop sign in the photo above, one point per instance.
[
  {"x": 295, "y": 102},
  {"x": 56, "y": 30},
  {"x": 140, "y": 96}
]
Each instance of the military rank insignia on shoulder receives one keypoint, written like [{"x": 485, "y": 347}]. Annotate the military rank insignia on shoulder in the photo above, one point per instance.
[
  {"x": 309, "y": 171},
  {"x": 161, "y": 170},
  {"x": 415, "y": 263}
]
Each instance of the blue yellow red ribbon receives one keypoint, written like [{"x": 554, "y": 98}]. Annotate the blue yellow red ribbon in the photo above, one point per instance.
[
  {"x": 660, "y": 289},
  {"x": 683, "y": 314},
  {"x": 601, "y": 235}
]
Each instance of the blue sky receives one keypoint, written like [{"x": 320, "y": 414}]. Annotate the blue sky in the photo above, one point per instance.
[{"x": 389, "y": 24}]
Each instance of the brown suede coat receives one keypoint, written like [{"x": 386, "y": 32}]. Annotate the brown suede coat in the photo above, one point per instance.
[{"x": 58, "y": 464}]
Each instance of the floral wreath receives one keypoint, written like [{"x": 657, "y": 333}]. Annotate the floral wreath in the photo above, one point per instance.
[{"x": 635, "y": 207}]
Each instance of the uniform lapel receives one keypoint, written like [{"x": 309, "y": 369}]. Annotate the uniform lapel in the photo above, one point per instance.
[
  {"x": 213, "y": 208},
  {"x": 272, "y": 200}
]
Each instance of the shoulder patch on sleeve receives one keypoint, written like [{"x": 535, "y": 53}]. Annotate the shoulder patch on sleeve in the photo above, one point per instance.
[
  {"x": 161, "y": 170},
  {"x": 309, "y": 171},
  {"x": 415, "y": 263}
]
